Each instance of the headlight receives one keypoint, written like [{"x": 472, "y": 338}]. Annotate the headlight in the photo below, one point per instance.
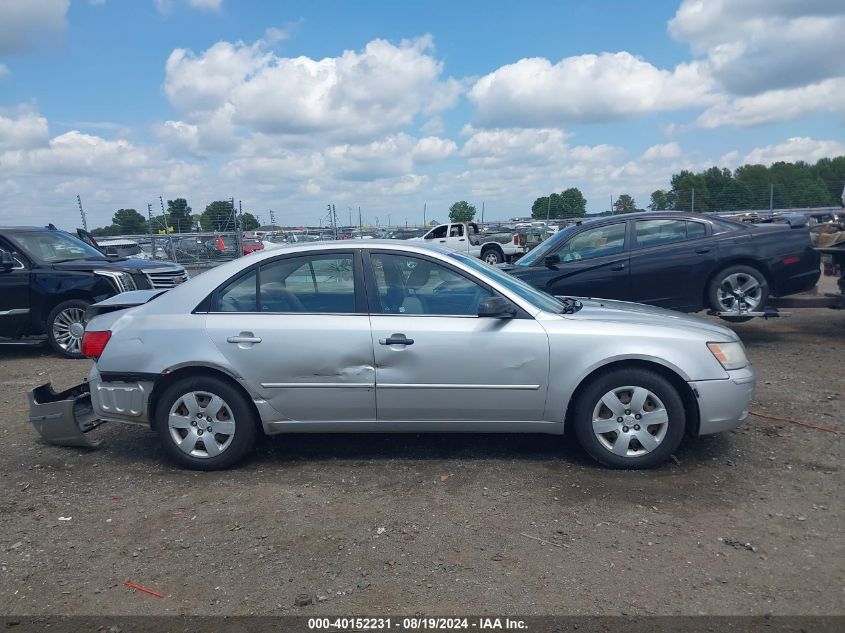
[
  {"x": 123, "y": 282},
  {"x": 731, "y": 355}
]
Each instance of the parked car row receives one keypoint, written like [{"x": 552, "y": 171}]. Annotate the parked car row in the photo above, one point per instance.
[{"x": 48, "y": 278}]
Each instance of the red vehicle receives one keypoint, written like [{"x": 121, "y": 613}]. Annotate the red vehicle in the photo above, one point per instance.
[{"x": 250, "y": 246}]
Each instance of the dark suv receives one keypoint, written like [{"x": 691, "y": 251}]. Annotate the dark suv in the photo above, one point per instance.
[{"x": 48, "y": 278}]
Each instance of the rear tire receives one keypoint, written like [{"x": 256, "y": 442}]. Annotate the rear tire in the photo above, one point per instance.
[
  {"x": 629, "y": 419},
  {"x": 738, "y": 285},
  {"x": 65, "y": 326},
  {"x": 189, "y": 408},
  {"x": 492, "y": 256}
]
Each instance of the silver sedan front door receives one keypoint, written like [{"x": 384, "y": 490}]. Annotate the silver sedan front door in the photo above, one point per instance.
[{"x": 437, "y": 360}]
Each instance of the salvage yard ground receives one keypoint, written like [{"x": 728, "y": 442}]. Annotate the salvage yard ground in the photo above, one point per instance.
[{"x": 748, "y": 522}]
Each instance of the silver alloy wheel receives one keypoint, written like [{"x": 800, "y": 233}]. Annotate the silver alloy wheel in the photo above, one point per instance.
[
  {"x": 630, "y": 421},
  {"x": 68, "y": 328},
  {"x": 201, "y": 424},
  {"x": 739, "y": 288},
  {"x": 491, "y": 257}
]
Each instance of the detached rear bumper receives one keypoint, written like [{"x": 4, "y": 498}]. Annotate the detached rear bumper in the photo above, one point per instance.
[
  {"x": 65, "y": 417},
  {"x": 723, "y": 404}
]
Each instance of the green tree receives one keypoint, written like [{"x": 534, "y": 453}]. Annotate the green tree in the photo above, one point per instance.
[
  {"x": 218, "y": 216},
  {"x": 179, "y": 215},
  {"x": 461, "y": 211},
  {"x": 661, "y": 200},
  {"x": 129, "y": 222},
  {"x": 624, "y": 204},
  {"x": 570, "y": 203},
  {"x": 249, "y": 222},
  {"x": 683, "y": 184}
]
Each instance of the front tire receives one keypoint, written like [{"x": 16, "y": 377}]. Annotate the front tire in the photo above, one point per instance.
[
  {"x": 205, "y": 423},
  {"x": 65, "y": 326},
  {"x": 629, "y": 419}
]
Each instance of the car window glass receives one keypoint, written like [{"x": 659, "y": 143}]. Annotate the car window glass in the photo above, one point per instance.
[
  {"x": 439, "y": 232},
  {"x": 597, "y": 242},
  {"x": 655, "y": 232},
  {"x": 695, "y": 230},
  {"x": 238, "y": 295},
  {"x": 456, "y": 230},
  {"x": 411, "y": 285},
  {"x": 721, "y": 226},
  {"x": 319, "y": 283}
]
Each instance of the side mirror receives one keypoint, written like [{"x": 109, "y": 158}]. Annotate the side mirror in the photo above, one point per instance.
[
  {"x": 7, "y": 262},
  {"x": 551, "y": 260},
  {"x": 496, "y": 308}
]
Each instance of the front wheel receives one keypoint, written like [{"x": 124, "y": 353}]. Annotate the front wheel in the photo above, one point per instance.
[
  {"x": 65, "y": 327},
  {"x": 492, "y": 257},
  {"x": 205, "y": 423},
  {"x": 630, "y": 418}
]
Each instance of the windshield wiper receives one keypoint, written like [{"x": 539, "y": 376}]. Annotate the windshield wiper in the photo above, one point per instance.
[{"x": 570, "y": 305}]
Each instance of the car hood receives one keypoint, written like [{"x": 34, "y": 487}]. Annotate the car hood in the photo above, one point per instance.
[
  {"x": 121, "y": 265},
  {"x": 627, "y": 312}
]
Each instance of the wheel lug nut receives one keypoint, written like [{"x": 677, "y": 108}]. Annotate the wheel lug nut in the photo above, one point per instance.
[
  {"x": 619, "y": 420},
  {"x": 199, "y": 415},
  {"x": 636, "y": 427},
  {"x": 199, "y": 432},
  {"x": 208, "y": 429},
  {"x": 638, "y": 417},
  {"x": 627, "y": 412},
  {"x": 624, "y": 429},
  {"x": 193, "y": 422},
  {"x": 208, "y": 419}
]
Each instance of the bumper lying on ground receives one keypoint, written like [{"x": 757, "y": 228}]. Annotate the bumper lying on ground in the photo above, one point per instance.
[
  {"x": 65, "y": 417},
  {"x": 723, "y": 404}
]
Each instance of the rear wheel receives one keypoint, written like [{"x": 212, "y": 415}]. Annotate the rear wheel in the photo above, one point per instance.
[
  {"x": 492, "y": 256},
  {"x": 630, "y": 418},
  {"x": 738, "y": 289},
  {"x": 205, "y": 423},
  {"x": 65, "y": 327}
]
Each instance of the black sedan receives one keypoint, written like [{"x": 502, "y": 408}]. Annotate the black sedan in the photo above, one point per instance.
[{"x": 683, "y": 261}]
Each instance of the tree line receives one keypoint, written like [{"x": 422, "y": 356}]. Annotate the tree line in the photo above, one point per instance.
[{"x": 179, "y": 218}]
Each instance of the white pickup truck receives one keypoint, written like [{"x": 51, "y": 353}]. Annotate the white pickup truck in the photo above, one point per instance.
[{"x": 493, "y": 248}]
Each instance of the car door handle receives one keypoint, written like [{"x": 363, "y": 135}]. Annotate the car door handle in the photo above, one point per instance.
[
  {"x": 243, "y": 339},
  {"x": 701, "y": 251},
  {"x": 396, "y": 339},
  {"x": 618, "y": 267}
]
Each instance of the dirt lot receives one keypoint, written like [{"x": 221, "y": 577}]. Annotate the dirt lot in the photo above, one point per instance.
[{"x": 749, "y": 522}]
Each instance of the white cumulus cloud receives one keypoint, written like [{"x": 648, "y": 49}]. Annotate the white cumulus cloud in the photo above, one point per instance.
[
  {"x": 587, "y": 88},
  {"x": 24, "y": 24},
  {"x": 794, "y": 149}
]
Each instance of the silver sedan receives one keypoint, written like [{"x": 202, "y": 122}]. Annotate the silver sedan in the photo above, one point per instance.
[{"x": 396, "y": 337}]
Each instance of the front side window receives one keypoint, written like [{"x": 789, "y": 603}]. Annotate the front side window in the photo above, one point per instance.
[
  {"x": 412, "y": 285},
  {"x": 52, "y": 247},
  {"x": 313, "y": 284},
  {"x": 437, "y": 233},
  {"x": 597, "y": 242}
]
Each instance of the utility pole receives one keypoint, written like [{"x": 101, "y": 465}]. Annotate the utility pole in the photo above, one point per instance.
[
  {"x": 482, "y": 211},
  {"x": 425, "y": 204},
  {"x": 692, "y": 208},
  {"x": 82, "y": 213},
  {"x": 771, "y": 198},
  {"x": 272, "y": 219},
  {"x": 360, "y": 222},
  {"x": 388, "y": 220},
  {"x": 612, "y": 212},
  {"x": 549, "y": 209},
  {"x": 150, "y": 217},
  {"x": 334, "y": 220}
]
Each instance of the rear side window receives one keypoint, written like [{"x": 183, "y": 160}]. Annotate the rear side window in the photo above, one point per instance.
[
  {"x": 238, "y": 295},
  {"x": 721, "y": 226},
  {"x": 657, "y": 232}
]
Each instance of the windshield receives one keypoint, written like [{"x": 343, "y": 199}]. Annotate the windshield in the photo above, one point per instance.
[
  {"x": 539, "y": 299},
  {"x": 55, "y": 246},
  {"x": 546, "y": 247}
]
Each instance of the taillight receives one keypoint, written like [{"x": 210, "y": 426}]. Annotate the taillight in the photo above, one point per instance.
[
  {"x": 791, "y": 260},
  {"x": 93, "y": 343},
  {"x": 516, "y": 239}
]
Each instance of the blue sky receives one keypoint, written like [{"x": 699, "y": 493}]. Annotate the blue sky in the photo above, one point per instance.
[{"x": 390, "y": 105}]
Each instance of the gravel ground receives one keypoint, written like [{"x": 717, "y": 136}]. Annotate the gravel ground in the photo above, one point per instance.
[{"x": 747, "y": 522}]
